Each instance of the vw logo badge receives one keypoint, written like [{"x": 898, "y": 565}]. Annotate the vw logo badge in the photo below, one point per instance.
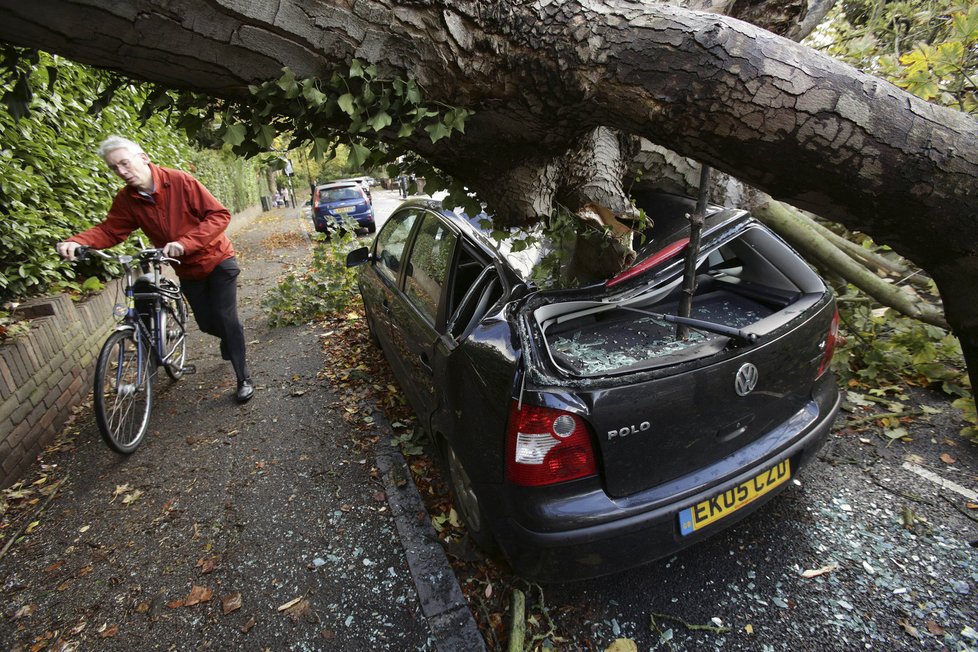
[{"x": 746, "y": 379}]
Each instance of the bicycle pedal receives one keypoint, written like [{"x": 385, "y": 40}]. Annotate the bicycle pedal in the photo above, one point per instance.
[{"x": 189, "y": 369}]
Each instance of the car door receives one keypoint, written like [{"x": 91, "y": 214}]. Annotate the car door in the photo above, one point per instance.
[
  {"x": 380, "y": 285},
  {"x": 418, "y": 315}
]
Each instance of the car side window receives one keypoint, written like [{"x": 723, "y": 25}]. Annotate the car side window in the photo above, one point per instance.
[
  {"x": 475, "y": 287},
  {"x": 391, "y": 241},
  {"x": 430, "y": 258}
]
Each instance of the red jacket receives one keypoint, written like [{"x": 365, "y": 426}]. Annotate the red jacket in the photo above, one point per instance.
[{"x": 181, "y": 210}]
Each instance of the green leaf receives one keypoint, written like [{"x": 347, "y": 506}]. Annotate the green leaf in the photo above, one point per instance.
[
  {"x": 234, "y": 135},
  {"x": 265, "y": 136},
  {"x": 313, "y": 95},
  {"x": 346, "y": 103},
  {"x": 288, "y": 84},
  {"x": 437, "y": 131},
  {"x": 358, "y": 155},
  {"x": 356, "y": 69},
  {"x": 380, "y": 120},
  {"x": 413, "y": 93}
]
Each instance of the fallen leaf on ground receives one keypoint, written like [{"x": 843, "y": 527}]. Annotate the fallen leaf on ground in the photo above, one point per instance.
[
  {"x": 934, "y": 628},
  {"x": 300, "y": 609},
  {"x": 248, "y": 625},
  {"x": 174, "y": 604},
  {"x": 908, "y": 628},
  {"x": 231, "y": 602},
  {"x": 197, "y": 595},
  {"x": 120, "y": 489},
  {"x": 828, "y": 568},
  {"x": 133, "y": 497},
  {"x": 24, "y": 611},
  {"x": 622, "y": 645},
  {"x": 947, "y": 459},
  {"x": 107, "y": 631},
  {"x": 208, "y": 564},
  {"x": 290, "y": 603}
]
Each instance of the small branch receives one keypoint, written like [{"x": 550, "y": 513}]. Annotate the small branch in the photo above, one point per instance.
[
  {"x": 813, "y": 245},
  {"x": 883, "y": 415},
  {"x": 690, "y": 626},
  {"x": 895, "y": 492},
  {"x": 955, "y": 506},
  {"x": 517, "y": 627}
]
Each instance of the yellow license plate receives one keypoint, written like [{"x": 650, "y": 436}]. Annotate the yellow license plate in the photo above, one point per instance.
[
  {"x": 345, "y": 209},
  {"x": 723, "y": 504}
]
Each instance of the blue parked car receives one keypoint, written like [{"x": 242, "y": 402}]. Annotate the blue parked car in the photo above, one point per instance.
[{"x": 334, "y": 202}]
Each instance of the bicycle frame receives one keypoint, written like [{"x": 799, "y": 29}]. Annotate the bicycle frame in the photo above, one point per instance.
[{"x": 151, "y": 340}]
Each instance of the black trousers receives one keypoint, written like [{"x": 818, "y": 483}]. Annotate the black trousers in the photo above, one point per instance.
[{"x": 214, "y": 300}]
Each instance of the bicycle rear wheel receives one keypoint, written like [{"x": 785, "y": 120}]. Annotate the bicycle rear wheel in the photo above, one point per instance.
[
  {"x": 174, "y": 337},
  {"x": 124, "y": 390}
]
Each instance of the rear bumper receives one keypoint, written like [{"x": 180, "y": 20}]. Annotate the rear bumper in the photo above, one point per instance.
[
  {"x": 615, "y": 534},
  {"x": 325, "y": 222}
]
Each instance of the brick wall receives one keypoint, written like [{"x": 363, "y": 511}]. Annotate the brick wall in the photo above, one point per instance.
[{"x": 46, "y": 373}]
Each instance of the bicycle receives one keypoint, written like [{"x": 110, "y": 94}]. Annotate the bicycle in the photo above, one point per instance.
[{"x": 151, "y": 333}]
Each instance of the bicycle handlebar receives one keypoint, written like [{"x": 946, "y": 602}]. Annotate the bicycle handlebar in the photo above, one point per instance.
[{"x": 148, "y": 254}]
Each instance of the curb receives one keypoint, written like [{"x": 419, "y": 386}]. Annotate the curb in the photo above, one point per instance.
[{"x": 442, "y": 601}]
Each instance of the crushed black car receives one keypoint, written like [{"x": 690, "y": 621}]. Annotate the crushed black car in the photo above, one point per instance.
[{"x": 580, "y": 436}]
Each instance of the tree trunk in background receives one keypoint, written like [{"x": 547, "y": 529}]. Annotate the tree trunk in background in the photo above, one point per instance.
[{"x": 543, "y": 76}]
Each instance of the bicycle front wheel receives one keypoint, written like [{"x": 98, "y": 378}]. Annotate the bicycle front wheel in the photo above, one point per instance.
[
  {"x": 124, "y": 390},
  {"x": 174, "y": 324}
]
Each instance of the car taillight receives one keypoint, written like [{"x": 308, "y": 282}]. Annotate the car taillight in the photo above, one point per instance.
[
  {"x": 665, "y": 254},
  {"x": 315, "y": 197},
  {"x": 545, "y": 446},
  {"x": 830, "y": 339}
]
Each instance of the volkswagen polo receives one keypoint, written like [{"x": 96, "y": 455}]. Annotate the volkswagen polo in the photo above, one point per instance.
[{"x": 580, "y": 435}]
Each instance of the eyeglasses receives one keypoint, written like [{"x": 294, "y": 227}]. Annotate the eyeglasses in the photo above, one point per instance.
[{"x": 124, "y": 164}]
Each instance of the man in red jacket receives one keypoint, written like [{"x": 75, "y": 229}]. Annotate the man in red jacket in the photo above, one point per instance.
[{"x": 180, "y": 216}]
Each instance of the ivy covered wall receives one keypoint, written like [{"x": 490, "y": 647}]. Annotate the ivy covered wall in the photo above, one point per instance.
[{"x": 52, "y": 184}]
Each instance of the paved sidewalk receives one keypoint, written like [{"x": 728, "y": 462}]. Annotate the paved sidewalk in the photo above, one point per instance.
[{"x": 264, "y": 526}]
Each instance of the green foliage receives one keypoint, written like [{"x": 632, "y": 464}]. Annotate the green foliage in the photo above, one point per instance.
[
  {"x": 325, "y": 286},
  {"x": 884, "y": 348},
  {"x": 354, "y": 108},
  {"x": 11, "y": 326},
  {"x": 930, "y": 49},
  {"x": 52, "y": 184}
]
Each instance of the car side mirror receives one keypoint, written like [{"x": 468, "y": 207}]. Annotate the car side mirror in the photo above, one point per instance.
[{"x": 358, "y": 257}]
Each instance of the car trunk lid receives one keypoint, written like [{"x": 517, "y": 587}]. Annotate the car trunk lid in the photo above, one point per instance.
[{"x": 662, "y": 407}]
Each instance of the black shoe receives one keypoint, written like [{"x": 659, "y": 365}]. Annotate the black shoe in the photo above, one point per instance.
[{"x": 246, "y": 389}]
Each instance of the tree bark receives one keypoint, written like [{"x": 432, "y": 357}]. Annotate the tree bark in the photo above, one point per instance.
[{"x": 541, "y": 76}]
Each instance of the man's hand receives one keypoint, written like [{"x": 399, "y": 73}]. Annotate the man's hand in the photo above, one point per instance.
[
  {"x": 67, "y": 249},
  {"x": 173, "y": 250}
]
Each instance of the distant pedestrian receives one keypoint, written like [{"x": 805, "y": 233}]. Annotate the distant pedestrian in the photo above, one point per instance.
[
  {"x": 402, "y": 186},
  {"x": 285, "y": 197},
  {"x": 179, "y": 216}
]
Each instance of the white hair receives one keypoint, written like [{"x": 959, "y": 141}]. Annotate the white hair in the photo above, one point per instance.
[{"x": 113, "y": 143}]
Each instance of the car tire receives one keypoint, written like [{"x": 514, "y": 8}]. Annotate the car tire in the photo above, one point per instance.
[
  {"x": 466, "y": 501},
  {"x": 372, "y": 228}
]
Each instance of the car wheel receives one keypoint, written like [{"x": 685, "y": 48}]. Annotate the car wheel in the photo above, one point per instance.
[
  {"x": 372, "y": 228},
  {"x": 467, "y": 502}
]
